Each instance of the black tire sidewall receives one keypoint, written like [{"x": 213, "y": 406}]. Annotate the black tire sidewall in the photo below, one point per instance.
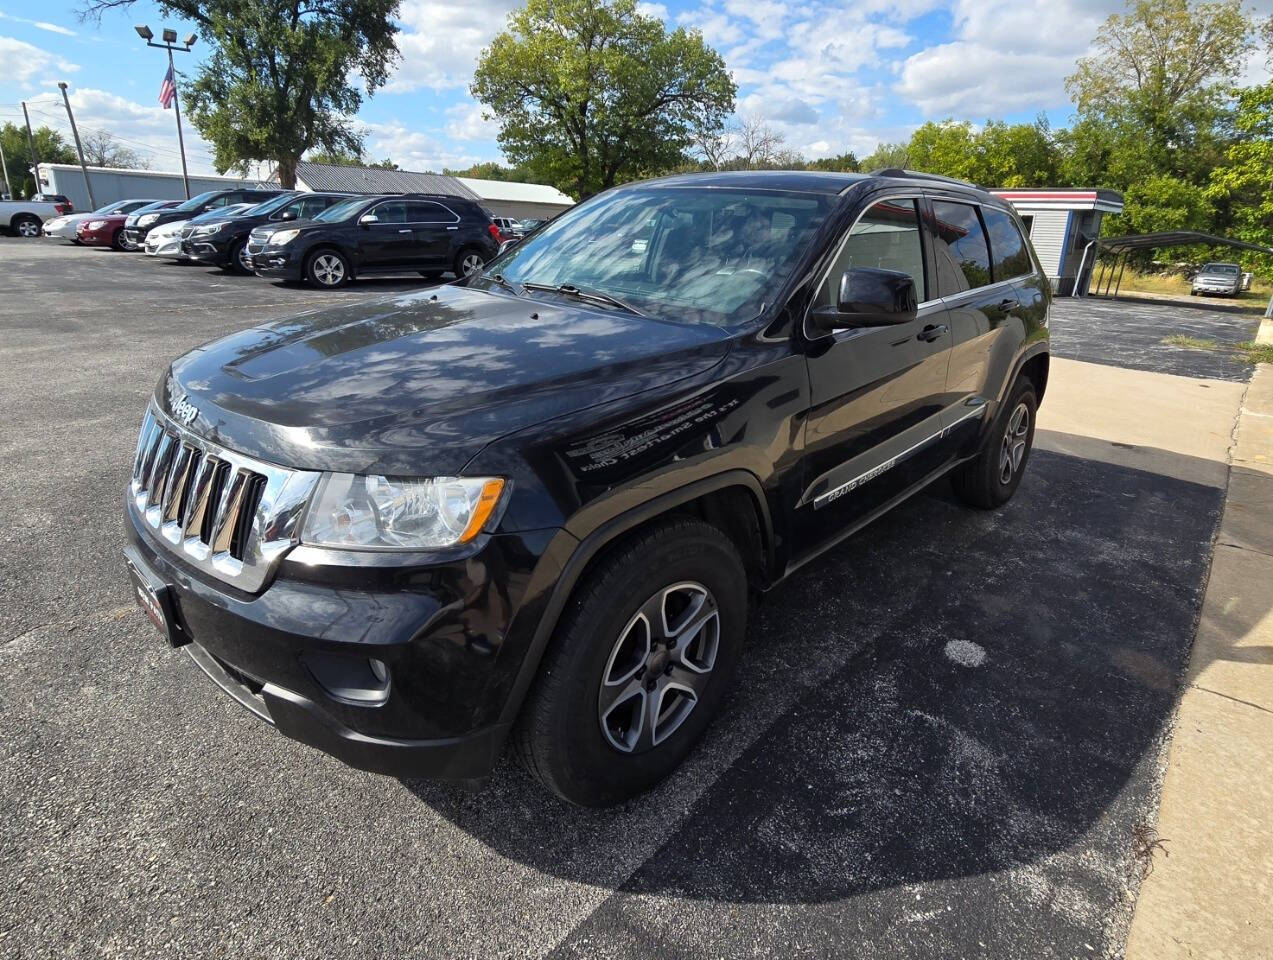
[
  {"x": 458, "y": 266},
  {"x": 233, "y": 263},
  {"x": 1022, "y": 393},
  {"x": 582, "y": 766}
]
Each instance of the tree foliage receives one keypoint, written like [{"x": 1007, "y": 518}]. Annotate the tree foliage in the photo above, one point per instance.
[
  {"x": 103, "y": 150},
  {"x": 1243, "y": 184},
  {"x": 493, "y": 170},
  {"x": 285, "y": 76},
  {"x": 49, "y": 148},
  {"x": 590, "y": 93}
]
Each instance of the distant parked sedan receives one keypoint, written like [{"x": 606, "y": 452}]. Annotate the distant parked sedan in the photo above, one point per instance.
[
  {"x": 102, "y": 231},
  {"x": 168, "y": 243},
  {"x": 65, "y": 227}
]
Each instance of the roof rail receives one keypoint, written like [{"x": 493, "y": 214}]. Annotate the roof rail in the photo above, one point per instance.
[{"x": 900, "y": 174}]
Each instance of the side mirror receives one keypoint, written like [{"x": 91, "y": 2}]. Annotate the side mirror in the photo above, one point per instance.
[
  {"x": 287, "y": 215},
  {"x": 367, "y": 219},
  {"x": 869, "y": 297}
]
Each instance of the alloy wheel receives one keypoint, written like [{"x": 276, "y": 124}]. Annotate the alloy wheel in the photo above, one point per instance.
[
  {"x": 28, "y": 229},
  {"x": 471, "y": 264},
  {"x": 659, "y": 667},
  {"x": 329, "y": 269},
  {"x": 244, "y": 258},
  {"x": 1012, "y": 452}
]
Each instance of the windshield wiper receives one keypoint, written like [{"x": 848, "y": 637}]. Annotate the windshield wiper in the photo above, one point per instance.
[{"x": 593, "y": 296}]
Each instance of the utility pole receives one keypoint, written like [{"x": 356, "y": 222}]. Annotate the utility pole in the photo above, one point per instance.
[
  {"x": 92, "y": 204},
  {"x": 35, "y": 159},
  {"x": 5, "y": 164},
  {"x": 170, "y": 44}
]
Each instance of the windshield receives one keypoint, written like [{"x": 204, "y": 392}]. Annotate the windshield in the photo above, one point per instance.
[
  {"x": 343, "y": 210},
  {"x": 270, "y": 205},
  {"x": 680, "y": 253},
  {"x": 157, "y": 205},
  {"x": 1226, "y": 269},
  {"x": 195, "y": 202}
]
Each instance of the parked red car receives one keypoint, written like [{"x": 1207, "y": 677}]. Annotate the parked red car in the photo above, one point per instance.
[{"x": 104, "y": 231}]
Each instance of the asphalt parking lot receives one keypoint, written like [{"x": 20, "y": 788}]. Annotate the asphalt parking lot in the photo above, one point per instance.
[{"x": 944, "y": 740}]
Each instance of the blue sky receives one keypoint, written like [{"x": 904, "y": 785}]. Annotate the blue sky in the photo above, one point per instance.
[{"x": 830, "y": 76}]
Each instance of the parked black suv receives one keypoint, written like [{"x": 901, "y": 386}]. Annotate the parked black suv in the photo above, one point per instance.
[
  {"x": 140, "y": 224},
  {"x": 426, "y": 233},
  {"x": 223, "y": 242},
  {"x": 534, "y": 504}
]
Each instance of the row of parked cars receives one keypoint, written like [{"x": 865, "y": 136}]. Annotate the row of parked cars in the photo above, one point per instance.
[{"x": 326, "y": 239}]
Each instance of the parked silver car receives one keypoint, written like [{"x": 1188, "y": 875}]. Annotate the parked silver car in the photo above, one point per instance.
[
  {"x": 64, "y": 227},
  {"x": 1222, "y": 279}
]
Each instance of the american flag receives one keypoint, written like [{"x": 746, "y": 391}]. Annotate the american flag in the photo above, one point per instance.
[{"x": 168, "y": 90}]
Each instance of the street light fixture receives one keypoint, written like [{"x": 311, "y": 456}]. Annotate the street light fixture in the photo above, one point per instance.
[{"x": 170, "y": 44}]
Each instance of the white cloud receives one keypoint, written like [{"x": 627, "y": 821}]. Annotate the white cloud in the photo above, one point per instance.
[
  {"x": 39, "y": 24},
  {"x": 466, "y": 122},
  {"x": 442, "y": 40},
  {"x": 28, "y": 66},
  {"x": 656, "y": 10},
  {"x": 415, "y": 150}
]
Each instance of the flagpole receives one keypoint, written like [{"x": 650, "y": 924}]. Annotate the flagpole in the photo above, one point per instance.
[{"x": 176, "y": 106}]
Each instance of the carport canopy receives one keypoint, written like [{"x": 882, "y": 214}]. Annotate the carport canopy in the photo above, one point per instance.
[{"x": 1121, "y": 246}]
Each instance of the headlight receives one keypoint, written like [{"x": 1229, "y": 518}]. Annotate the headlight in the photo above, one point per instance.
[
  {"x": 280, "y": 237},
  {"x": 147, "y": 220},
  {"x": 400, "y": 513},
  {"x": 54, "y": 223},
  {"x": 96, "y": 224},
  {"x": 207, "y": 231}
]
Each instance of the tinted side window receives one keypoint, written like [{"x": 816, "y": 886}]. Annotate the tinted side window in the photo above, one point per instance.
[
  {"x": 224, "y": 200},
  {"x": 959, "y": 248},
  {"x": 887, "y": 236},
  {"x": 393, "y": 211},
  {"x": 1011, "y": 259},
  {"x": 426, "y": 211},
  {"x": 309, "y": 206}
]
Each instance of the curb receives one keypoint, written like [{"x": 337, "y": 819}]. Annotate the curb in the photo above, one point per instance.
[{"x": 1265, "y": 334}]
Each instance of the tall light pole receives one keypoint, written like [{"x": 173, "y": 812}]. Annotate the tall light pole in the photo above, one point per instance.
[
  {"x": 92, "y": 204},
  {"x": 170, "y": 44}
]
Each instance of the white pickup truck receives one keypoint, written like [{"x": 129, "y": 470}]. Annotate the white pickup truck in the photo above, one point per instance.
[{"x": 23, "y": 218}]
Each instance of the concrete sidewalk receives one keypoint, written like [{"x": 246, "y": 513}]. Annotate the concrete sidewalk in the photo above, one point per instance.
[{"x": 1211, "y": 885}]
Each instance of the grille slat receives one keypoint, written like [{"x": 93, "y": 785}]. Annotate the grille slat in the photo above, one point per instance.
[{"x": 229, "y": 515}]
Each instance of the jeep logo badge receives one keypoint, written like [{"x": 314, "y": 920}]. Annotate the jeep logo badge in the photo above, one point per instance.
[{"x": 184, "y": 410}]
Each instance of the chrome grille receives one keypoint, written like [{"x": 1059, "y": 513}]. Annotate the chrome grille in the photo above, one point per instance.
[{"x": 229, "y": 515}]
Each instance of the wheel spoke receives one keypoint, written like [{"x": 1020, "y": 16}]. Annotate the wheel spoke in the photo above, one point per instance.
[{"x": 623, "y": 717}]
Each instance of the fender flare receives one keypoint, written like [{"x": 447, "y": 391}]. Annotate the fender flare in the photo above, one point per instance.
[{"x": 589, "y": 547}]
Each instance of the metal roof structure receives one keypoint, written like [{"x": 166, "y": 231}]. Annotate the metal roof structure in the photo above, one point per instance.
[
  {"x": 350, "y": 179},
  {"x": 513, "y": 192},
  {"x": 1174, "y": 238},
  {"x": 1062, "y": 198}
]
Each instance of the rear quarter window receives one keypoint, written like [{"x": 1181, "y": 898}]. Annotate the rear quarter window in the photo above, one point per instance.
[{"x": 1010, "y": 258}]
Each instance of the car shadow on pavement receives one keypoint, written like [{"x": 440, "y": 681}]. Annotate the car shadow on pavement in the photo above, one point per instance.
[{"x": 950, "y": 694}]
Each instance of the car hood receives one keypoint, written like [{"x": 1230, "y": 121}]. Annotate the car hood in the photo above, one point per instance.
[
  {"x": 1222, "y": 277},
  {"x": 421, "y": 382}
]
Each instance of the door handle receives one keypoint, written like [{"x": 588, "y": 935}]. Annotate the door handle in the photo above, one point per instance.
[
  {"x": 404, "y": 231},
  {"x": 934, "y": 331},
  {"x": 453, "y": 228}
]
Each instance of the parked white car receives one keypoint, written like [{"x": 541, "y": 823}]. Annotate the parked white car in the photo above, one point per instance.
[
  {"x": 25, "y": 218},
  {"x": 63, "y": 227},
  {"x": 165, "y": 240}
]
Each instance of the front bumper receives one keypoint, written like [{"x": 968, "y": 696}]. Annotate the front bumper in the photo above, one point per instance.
[
  {"x": 1221, "y": 289},
  {"x": 285, "y": 263},
  {"x": 96, "y": 238},
  {"x": 439, "y": 629},
  {"x": 205, "y": 250},
  {"x": 164, "y": 247},
  {"x": 136, "y": 235}
]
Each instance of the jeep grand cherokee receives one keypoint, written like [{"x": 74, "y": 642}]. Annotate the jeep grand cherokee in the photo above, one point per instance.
[{"x": 531, "y": 507}]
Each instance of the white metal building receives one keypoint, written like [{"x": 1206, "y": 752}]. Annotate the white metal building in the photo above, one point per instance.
[
  {"x": 111, "y": 184},
  {"x": 1061, "y": 222},
  {"x": 519, "y": 200}
]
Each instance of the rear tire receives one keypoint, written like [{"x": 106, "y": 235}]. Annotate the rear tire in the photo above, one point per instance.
[
  {"x": 468, "y": 262},
  {"x": 639, "y": 664},
  {"x": 328, "y": 269},
  {"x": 236, "y": 262},
  {"x": 991, "y": 478},
  {"x": 25, "y": 225}
]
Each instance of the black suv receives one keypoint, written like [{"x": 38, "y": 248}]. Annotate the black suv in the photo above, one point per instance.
[
  {"x": 534, "y": 504},
  {"x": 399, "y": 233},
  {"x": 139, "y": 224},
  {"x": 223, "y": 242}
]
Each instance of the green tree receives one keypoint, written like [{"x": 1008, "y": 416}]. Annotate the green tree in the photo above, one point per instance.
[
  {"x": 1157, "y": 86},
  {"x": 494, "y": 170},
  {"x": 590, "y": 93},
  {"x": 284, "y": 76},
  {"x": 1244, "y": 183},
  {"x": 49, "y": 148},
  {"x": 846, "y": 162},
  {"x": 887, "y": 156},
  {"x": 103, "y": 150},
  {"x": 1162, "y": 202},
  {"x": 346, "y": 159}
]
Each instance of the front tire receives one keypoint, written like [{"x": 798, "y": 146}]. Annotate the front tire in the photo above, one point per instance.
[
  {"x": 239, "y": 260},
  {"x": 117, "y": 240},
  {"x": 328, "y": 269},
  {"x": 991, "y": 478},
  {"x": 639, "y": 664}
]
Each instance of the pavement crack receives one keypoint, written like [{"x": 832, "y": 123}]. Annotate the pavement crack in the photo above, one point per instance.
[
  {"x": 1245, "y": 703},
  {"x": 1239, "y": 546}
]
